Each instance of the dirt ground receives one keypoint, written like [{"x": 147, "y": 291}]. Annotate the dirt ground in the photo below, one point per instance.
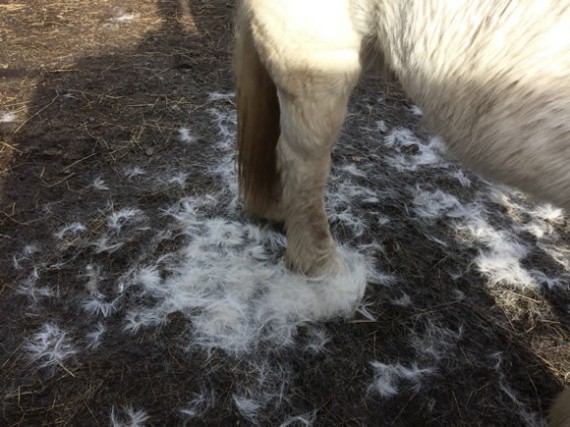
[{"x": 113, "y": 109}]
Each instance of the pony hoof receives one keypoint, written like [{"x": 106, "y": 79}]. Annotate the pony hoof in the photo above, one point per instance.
[{"x": 332, "y": 267}]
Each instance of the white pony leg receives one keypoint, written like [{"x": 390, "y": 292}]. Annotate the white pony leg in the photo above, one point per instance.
[
  {"x": 312, "y": 53},
  {"x": 310, "y": 124}
]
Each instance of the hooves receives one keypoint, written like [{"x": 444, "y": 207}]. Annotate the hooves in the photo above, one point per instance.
[
  {"x": 310, "y": 248},
  {"x": 332, "y": 267},
  {"x": 311, "y": 264}
]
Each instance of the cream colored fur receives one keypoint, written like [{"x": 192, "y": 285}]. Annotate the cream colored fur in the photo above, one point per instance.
[
  {"x": 491, "y": 76},
  {"x": 314, "y": 72}
]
